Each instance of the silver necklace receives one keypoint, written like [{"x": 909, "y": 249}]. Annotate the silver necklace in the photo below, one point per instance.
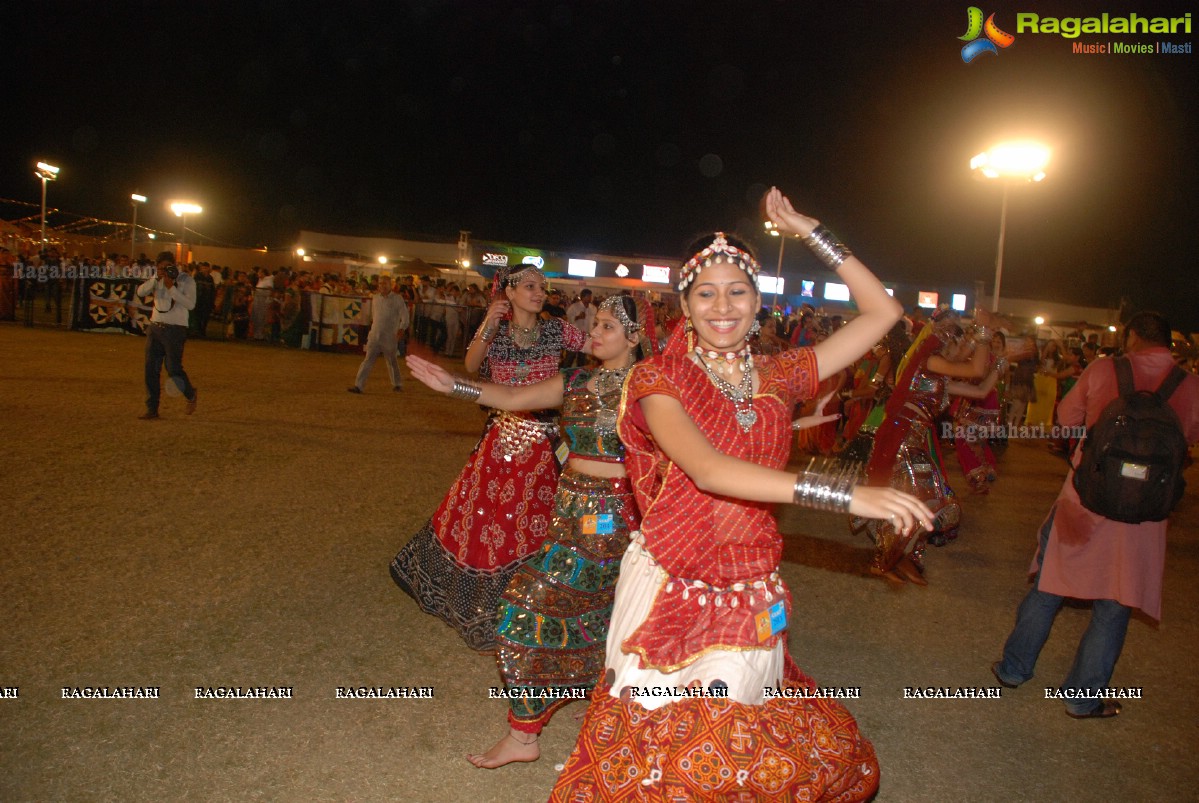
[
  {"x": 606, "y": 381},
  {"x": 526, "y": 337},
  {"x": 741, "y": 396}
]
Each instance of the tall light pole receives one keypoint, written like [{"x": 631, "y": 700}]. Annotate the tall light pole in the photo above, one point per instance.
[
  {"x": 47, "y": 173},
  {"x": 136, "y": 199},
  {"x": 778, "y": 271},
  {"x": 1009, "y": 163},
  {"x": 182, "y": 209}
]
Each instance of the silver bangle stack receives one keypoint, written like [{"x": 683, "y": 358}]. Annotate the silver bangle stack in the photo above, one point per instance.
[
  {"x": 827, "y": 484},
  {"x": 465, "y": 390},
  {"x": 827, "y": 248}
]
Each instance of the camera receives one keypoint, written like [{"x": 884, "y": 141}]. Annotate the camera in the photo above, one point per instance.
[{"x": 171, "y": 272}]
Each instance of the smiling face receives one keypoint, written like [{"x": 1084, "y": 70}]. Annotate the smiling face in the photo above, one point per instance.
[
  {"x": 609, "y": 342},
  {"x": 528, "y": 294},
  {"x": 721, "y": 304}
]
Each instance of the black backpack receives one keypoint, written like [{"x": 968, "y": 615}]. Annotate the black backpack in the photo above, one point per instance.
[{"x": 1132, "y": 458}]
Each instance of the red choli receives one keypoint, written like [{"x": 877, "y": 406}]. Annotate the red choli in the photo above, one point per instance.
[{"x": 696, "y": 536}]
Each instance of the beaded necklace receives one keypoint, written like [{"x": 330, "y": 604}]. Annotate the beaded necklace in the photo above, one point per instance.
[
  {"x": 729, "y": 357},
  {"x": 741, "y": 396}
]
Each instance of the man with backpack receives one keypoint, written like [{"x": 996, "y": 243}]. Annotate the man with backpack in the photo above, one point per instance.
[{"x": 1109, "y": 544}]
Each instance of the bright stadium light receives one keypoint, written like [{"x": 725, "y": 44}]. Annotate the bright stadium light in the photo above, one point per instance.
[
  {"x": 1011, "y": 163},
  {"x": 182, "y": 209},
  {"x": 773, "y": 230},
  {"x": 47, "y": 173}
]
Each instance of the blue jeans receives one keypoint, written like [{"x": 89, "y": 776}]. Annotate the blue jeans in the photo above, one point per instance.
[
  {"x": 164, "y": 344},
  {"x": 1097, "y": 652}
]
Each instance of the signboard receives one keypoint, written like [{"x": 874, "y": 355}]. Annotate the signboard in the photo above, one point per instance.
[
  {"x": 836, "y": 292},
  {"x": 771, "y": 284},
  {"x": 581, "y": 267},
  {"x": 658, "y": 274}
]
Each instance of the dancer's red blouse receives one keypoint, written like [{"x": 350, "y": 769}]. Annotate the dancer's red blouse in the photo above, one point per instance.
[{"x": 711, "y": 542}]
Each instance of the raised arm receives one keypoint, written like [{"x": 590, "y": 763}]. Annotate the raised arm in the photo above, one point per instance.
[
  {"x": 714, "y": 472},
  {"x": 980, "y": 391},
  {"x": 973, "y": 368},
  {"x": 539, "y": 396},
  {"x": 878, "y": 311},
  {"x": 477, "y": 349}
]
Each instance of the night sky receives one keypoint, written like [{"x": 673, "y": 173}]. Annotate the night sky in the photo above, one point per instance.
[{"x": 624, "y": 128}]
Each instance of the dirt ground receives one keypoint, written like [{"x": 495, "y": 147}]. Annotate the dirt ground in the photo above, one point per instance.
[{"x": 247, "y": 545}]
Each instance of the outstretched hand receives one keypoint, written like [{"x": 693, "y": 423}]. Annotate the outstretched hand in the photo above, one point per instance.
[
  {"x": 818, "y": 417},
  {"x": 782, "y": 214},
  {"x": 904, "y": 511},
  {"x": 430, "y": 374}
]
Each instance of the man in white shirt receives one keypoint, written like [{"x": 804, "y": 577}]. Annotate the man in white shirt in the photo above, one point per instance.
[
  {"x": 389, "y": 316},
  {"x": 580, "y": 315},
  {"x": 173, "y": 296}
]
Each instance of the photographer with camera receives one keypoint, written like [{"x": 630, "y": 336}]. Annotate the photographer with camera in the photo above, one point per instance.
[{"x": 173, "y": 295}]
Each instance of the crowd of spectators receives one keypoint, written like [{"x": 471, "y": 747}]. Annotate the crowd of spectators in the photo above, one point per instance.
[{"x": 268, "y": 305}]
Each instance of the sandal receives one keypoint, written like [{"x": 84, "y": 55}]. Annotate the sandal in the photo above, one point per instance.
[{"x": 908, "y": 571}]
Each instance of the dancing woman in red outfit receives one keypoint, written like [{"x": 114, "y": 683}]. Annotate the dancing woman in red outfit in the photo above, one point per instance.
[
  {"x": 700, "y": 607},
  {"x": 497, "y": 513}
]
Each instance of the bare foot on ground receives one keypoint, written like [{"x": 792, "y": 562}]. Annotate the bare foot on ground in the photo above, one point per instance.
[{"x": 516, "y": 746}]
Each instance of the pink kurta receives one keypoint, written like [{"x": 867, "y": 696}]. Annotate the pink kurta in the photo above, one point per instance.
[{"x": 1089, "y": 556}]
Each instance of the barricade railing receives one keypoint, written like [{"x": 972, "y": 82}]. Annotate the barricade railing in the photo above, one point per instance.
[{"x": 302, "y": 319}]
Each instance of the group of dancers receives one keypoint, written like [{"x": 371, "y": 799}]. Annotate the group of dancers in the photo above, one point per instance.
[
  {"x": 641, "y": 553},
  {"x": 945, "y": 366}
]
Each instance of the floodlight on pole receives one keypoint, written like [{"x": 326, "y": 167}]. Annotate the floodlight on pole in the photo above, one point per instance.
[
  {"x": 182, "y": 209},
  {"x": 773, "y": 230},
  {"x": 136, "y": 199},
  {"x": 47, "y": 173},
  {"x": 1020, "y": 162}
]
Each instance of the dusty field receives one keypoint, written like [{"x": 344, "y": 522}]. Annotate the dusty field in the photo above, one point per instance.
[{"x": 247, "y": 545}]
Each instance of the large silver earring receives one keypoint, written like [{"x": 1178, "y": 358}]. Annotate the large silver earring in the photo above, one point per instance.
[{"x": 755, "y": 328}]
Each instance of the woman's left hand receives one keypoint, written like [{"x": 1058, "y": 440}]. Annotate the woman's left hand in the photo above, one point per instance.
[
  {"x": 904, "y": 511},
  {"x": 817, "y": 417},
  {"x": 430, "y": 374}
]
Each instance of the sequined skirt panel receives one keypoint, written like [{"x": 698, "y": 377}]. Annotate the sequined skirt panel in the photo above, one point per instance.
[
  {"x": 495, "y": 515},
  {"x": 554, "y": 615}
]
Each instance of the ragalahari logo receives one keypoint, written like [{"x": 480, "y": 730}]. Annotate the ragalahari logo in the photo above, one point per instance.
[{"x": 977, "y": 43}]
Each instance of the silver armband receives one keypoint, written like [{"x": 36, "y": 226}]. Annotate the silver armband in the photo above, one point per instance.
[
  {"x": 827, "y": 484},
  {"x": 827, "y": 248},
  {"x": 465, "y": 390}
]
